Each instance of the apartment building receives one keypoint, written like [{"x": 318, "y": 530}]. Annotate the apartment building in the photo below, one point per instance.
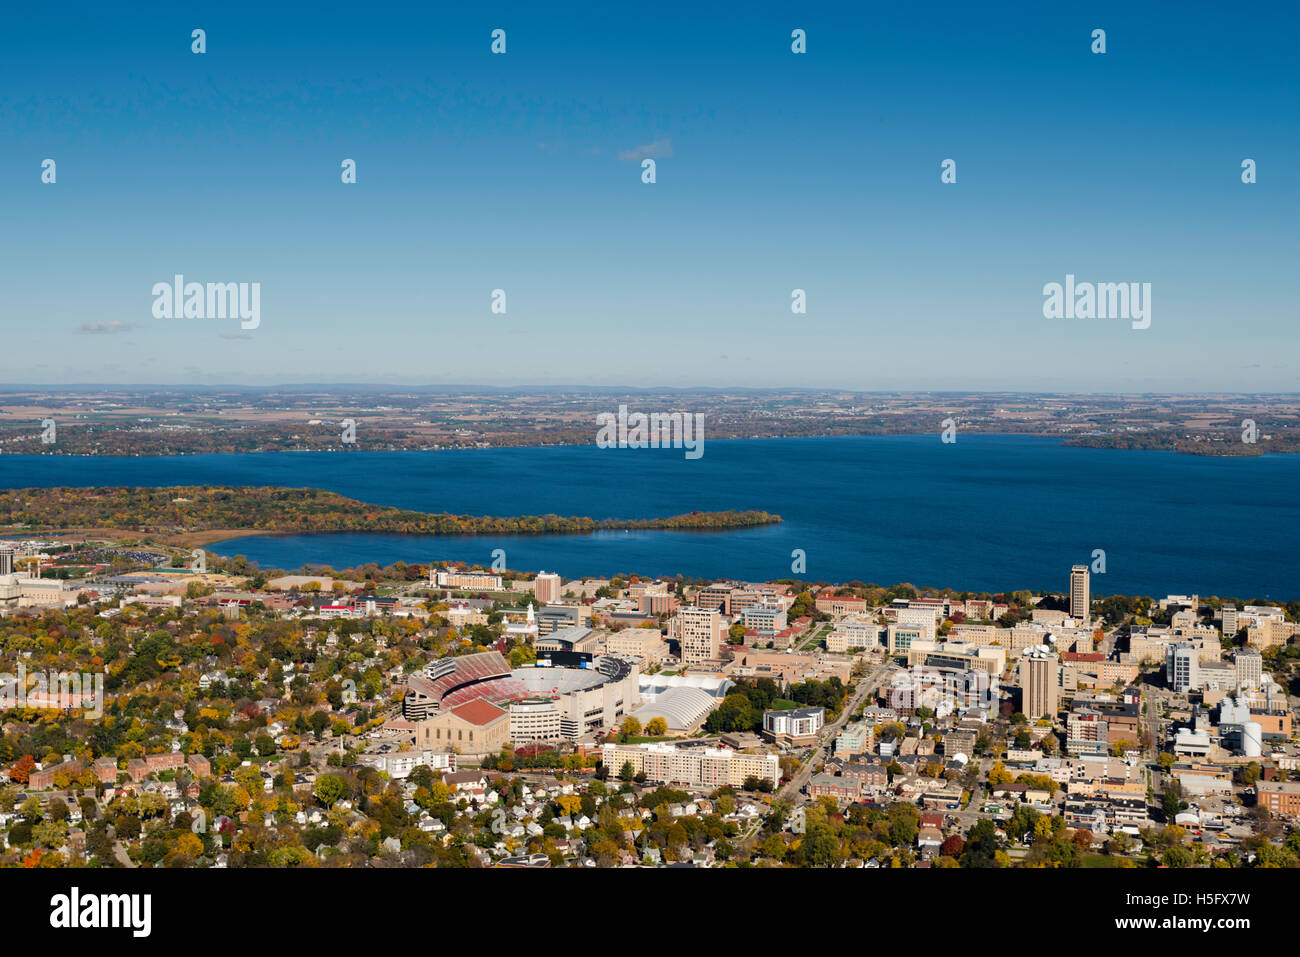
[
  {"x": 548, "y": 588},
  {"x": 834, "y": 786},
  {"x": 1039, "y": 681},
  {"x": 399, "y": 764},
  {"x": 471, "y": 581},
  {"x": 793, "y": 726},
  {"x": 1080, "y": 593},
  {"x": 699, "y": 631},
  {"x": 857, "y": 738},
  {"x": 1086, "y": 732},
  {"x": 691, "y": 766}
]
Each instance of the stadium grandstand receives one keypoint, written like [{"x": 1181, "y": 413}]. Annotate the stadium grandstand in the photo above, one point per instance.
[
  {"x": 546, "y": 702},
  {"x": 426, "y": 691}
]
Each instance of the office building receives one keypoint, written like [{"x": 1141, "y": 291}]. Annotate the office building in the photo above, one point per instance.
[
  {"x": 551, "y": 618},
  {"x": 765, "y": 619}
]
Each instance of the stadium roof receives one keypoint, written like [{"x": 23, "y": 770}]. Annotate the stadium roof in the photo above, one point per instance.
[{"x": 683, "y": 708}]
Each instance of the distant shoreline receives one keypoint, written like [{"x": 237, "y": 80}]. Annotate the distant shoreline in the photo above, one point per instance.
[{"x": 1143, "y": 443}]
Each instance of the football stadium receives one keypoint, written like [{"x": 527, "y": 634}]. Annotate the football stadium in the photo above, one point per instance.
[{"x": 566, "y": 695}]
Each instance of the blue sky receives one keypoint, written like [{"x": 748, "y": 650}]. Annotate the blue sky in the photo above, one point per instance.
[{"x": 775, "y": 171}]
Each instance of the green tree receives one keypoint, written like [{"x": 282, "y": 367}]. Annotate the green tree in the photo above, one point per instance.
[{"x": 329, "y": 788}]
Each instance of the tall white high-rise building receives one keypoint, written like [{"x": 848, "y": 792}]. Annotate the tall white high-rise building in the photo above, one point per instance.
[
  {"x": 1182, "y": 667},
  {"x": 1080, "y": 593}
]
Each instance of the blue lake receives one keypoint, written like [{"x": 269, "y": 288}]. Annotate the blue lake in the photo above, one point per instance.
[{"x": 985, "y": 513}]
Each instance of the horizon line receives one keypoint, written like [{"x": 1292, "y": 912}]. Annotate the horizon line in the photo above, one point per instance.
[{"x": 492, "y": 387}]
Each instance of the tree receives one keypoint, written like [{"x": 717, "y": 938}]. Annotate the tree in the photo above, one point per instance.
[
  {"x": 329, "y": 788},
  {"x": 630, "y": 727},
  {"x": 626, "y": 772},
  {"x": 22, "y": 769},
  {"x": 657, "y": 727},
  {"x": 982, "y": 845},
  {"x": 1177, "y": 856},
  {"x": 1171, "y": 802}
]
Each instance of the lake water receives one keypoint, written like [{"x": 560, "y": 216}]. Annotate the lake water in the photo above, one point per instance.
[{"x": 985, "y": 513}]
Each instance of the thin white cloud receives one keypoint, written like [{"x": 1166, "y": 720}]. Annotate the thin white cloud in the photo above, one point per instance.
[
  {"x": 662, "y": 148},
  {"x": 104, "y": 328}
]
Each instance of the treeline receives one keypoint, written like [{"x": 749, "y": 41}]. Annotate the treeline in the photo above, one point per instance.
[
  {"x": 303, "y": 510},
  {"x": 1280, "y": 441}
]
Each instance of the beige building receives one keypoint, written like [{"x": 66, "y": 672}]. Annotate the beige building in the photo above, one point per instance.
[
  {"x": 1269, "y": 633},
  {"x": 1039, "y": 681},
  {"x": 475, "y": 728},
  {"x": 471, "y": 581},
  {"x": 695, "y": 767},
  {"x": 1080, "y": 593},
  {"x": 644, "y": 643},
  {"x": 699, "y": 631},
  {"x": 854, "y": 632}
]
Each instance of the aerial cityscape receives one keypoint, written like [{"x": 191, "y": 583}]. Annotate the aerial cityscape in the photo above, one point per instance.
[
  {"x": 634, "y": 440},
  {"x": 443, "y": 714}
]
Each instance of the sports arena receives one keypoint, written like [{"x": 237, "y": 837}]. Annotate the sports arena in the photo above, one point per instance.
[{"x": 567, "y": 695}]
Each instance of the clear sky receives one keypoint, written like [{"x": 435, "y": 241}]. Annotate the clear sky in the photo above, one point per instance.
[{"x": 775, "y": 171}]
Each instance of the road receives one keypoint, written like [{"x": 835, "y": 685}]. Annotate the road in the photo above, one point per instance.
[{"x": 818, "y": 754}]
